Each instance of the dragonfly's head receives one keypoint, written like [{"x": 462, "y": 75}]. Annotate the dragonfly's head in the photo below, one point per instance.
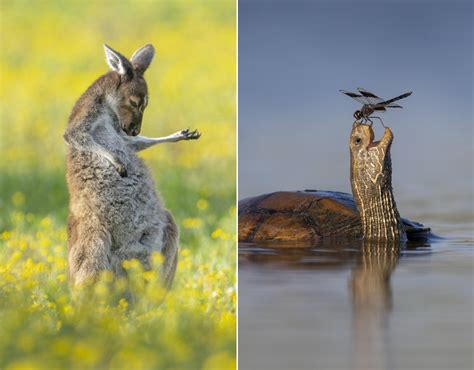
[{"x": 358, "y": 115}]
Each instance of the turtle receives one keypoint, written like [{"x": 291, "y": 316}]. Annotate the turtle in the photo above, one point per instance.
[{"x": 310, "y": 215}]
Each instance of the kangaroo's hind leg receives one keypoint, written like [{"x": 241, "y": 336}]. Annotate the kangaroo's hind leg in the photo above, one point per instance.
[
  {"x": 164, "y": 239},
  {"x": 89, "y": 250}
]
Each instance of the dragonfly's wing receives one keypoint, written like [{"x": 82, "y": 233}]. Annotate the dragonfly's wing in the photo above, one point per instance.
[
  {"x": 361, "y": 99},
  {"x": 390, "y": 101},
  {"x": 371, "y": 98},
  {"x": 393, "y": 106}
]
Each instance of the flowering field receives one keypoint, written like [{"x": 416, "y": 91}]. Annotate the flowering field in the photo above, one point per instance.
[{"x": 50, "y": 54}]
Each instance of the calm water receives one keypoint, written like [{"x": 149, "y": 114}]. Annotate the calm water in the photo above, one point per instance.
[{"x": 345, "y": 305}]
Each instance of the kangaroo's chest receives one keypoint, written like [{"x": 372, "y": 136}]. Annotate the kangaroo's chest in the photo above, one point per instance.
[
  {"x": 108, "y": 134},
  {"x": 99, "y": 171}
]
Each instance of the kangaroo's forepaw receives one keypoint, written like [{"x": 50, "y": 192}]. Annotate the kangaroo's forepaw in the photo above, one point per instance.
[
  {"x": 122, "y": 170},
  {"x": 190, "y": 135}
]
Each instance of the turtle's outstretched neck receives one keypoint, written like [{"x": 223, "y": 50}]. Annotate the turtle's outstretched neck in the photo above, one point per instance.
[{"x": 371, "y": 181}]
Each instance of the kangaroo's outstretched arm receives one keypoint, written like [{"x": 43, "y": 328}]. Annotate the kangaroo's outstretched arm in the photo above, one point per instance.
[
  {"x": 81, "y": 137},
  {"x": 138, "y": 143}
]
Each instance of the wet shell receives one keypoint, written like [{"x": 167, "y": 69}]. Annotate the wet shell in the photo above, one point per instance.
[{"x": 304, "y": 216}]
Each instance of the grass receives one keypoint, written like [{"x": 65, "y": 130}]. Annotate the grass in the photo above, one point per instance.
[{"x": 50, "y": 54}]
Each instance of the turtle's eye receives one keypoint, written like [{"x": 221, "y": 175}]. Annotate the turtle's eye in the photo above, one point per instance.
[{"x": 357, "y": 140}]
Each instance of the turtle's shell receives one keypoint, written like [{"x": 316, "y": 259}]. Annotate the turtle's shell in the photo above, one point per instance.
[{"x": 305, "y": 216}]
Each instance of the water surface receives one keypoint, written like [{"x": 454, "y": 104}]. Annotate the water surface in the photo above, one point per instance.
[{"x": 349, "y": 305}]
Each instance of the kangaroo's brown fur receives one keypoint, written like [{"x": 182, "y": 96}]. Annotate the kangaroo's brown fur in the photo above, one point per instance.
[{"x": 115, "y": 213}]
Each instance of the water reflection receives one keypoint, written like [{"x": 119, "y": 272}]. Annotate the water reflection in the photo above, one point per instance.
[
  {"x": 371, "y": 264},
  {"x": 372, "y": 302}
]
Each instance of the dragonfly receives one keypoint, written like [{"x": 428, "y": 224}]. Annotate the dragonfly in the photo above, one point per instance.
[{"x": 372, "y": 103}]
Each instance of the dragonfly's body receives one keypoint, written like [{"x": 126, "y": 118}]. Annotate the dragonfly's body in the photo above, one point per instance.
[
  {"x": 364, "y": 112},
  {"x": 372, "y": 103}
]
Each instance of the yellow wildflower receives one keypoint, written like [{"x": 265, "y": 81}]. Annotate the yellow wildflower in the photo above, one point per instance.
[{"x": 192, "y": 223}]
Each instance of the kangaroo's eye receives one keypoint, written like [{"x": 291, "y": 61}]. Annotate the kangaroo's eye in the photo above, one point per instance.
[{"x": 133, "y": 104}]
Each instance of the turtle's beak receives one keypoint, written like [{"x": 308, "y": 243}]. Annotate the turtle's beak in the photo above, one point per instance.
[
  {"x": 386, "y": 139},
  {"x": 385, "y": 142}
]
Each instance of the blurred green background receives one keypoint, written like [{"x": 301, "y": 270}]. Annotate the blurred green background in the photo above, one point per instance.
[{"x": 51, "y": 51}]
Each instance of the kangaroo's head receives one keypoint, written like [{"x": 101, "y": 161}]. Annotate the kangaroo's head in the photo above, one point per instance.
[{"x": 129, "y": 97}]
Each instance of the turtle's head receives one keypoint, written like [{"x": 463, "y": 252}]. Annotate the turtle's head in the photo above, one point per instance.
[
  {"x": 371, "y": 180},
  {"x": 367, "y": 154}
]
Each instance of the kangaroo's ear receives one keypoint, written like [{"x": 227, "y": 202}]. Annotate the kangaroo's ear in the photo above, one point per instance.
[
  {"x": 118, "y": 62},
  {"x": 142, "y": 58}
]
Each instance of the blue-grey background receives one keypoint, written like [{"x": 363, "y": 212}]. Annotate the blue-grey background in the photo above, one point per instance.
[{"x": 294, "y": 56}]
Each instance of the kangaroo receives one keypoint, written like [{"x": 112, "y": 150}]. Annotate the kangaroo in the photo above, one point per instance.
[{"x": 115, "y": 213}]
